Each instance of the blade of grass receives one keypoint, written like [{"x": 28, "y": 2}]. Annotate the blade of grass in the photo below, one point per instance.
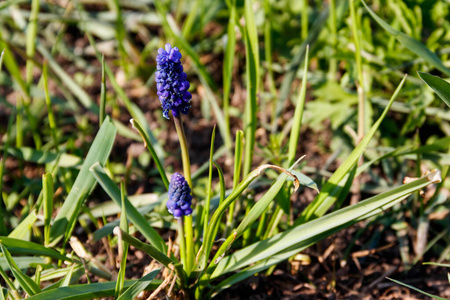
[
  {"x": 66, "y": 279},
  {"x": 251, "y": 217},
  {"x": 102, "y": 93},
  {"x": 23, "y": 262},
  {"x": 209, "y": 183},
  {"x": 285, "y": 89},
  {"x": 252, "y": 81},
  {"x": 25, "y": 282},
  {"x": 154, "y": 253},
  {"x": 8, "y": 141},
  {"x": 327, "y": 197},
  {"x": 140, "y": 285},
  {"x": 148, "y": 144},
  {"x": 122, "y": 246},
  {"x": 215, "y": 219},
  {"x": 17, "y": 246},
  {"x": 23, "y": 229},
  {"x": 81, "y": 94},
  {"x": 298, "y": 114},
  {"x": 43, "y": 157},
  {"x": 228, "y": 65},
  {"x": 47, "y": 187},
  {"x": 438, "y": 85},
  {"x": 134, "y": 216},
  {"x": 87, "y": 291},
  {"x": 236, "y": 177},
  {"x": 191, "y": 18},
  {"x": 48, "y": 101},
  {"x": 306, "y": 234},
  {"x": 30, "y": 41},
  {"x": 416, "y": 289},
  {"x": 84, "y": 183},
  {"x": 415, "y": 46}
]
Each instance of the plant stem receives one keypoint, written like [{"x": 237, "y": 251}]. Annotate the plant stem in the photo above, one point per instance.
[
  {"x": 187, "y": 175},
  {"x": 181, "y": 241}
]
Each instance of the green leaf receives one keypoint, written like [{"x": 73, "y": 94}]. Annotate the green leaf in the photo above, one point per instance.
[
  {"x": 305, "y": 180},
  {"x": 329, "y": 193},
  {"x": 228, "y": 65},
  {"x": 25, "y": 282},
  {"x": 122, "y": 246},
  {"x": 81, "y": 94},
  {"x": 43, "y": 157},
  {"x": 47, "y": 188},
  {"x": 17, "y": 246},
  {"x": 153, "y": 252},
  {"x": 139, "y": 286},
  {"x": 285, "y": 89},
  {"x": 298, "y": 114},
  {"x": 251, "y": 217},
  {"x": 22, "y": 230},
  {"x": 86, "y": 291},
  {"x": 416, "y": 289},
  {"x": 306, "y": 234},
  {"x": 415, "y": 46},
  {"x": 84, "y": 183},
  {"x": 23, "y": 262},
  {"x": 148, "y": 144},
  {"x": 66, "y": 279},
  {"x": 216, "y": 217},
  {"x": 205, "y": 216},
  {"x": 221, "y": 182},
  {"x": 252, "y": 80},
  {"x": 438, "y": 85},
  {"x": 133, "y": 215}
]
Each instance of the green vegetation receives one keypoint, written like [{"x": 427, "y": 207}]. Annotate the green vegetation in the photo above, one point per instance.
[{"x": 319, "y": 130}]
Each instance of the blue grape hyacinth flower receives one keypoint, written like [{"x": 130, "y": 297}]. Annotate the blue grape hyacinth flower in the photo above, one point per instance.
[
  {"x": 180, "y": 199},
  {"x": 171, "y": 82}
]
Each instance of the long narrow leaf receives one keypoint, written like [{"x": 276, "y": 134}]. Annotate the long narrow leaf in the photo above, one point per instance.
[
  {"x": 139, "y": 286},
  {"x": 135, "y": 217},
  {"x": 209, "y": 235},
  {"x": 252, "y": 79},
  {"x": 328, "y": 195},
  {"x": 415, "y": 46},
  {"x": 298, "y": 115},
  {"x": 23, "y": 229},
  {"x": 285, "y": 89},
  {"x": 17, "y": 246},
  {"x": 228, "y": 65},
  {"x": 417, "y": 290},
  {"x": 86, "y": 291},
  {"x": 84, "y": 183},
  {"x": 439, "y": 86},
  {"x": 25, "y": 282},
  {"x": 305, "y": 234}
]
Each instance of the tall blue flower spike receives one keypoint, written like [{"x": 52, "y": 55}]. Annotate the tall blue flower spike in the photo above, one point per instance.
[
  {"x": 171, "y": 82},
  {"x": 180, "y": 199}
]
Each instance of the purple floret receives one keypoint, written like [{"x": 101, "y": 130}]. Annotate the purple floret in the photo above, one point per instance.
[
  {"x": 171, "y": 82},
  {"x": 180, "y": 199}
]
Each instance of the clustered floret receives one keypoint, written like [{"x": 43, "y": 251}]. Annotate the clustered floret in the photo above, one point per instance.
[
  {"x": 171, "y": 82},
  {"x": 180, "y": 199}
]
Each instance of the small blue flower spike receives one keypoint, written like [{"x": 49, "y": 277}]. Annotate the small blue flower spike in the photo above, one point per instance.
[
  {"x": 180, "y": 199},
  {"x": 171, "y": 82}
]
